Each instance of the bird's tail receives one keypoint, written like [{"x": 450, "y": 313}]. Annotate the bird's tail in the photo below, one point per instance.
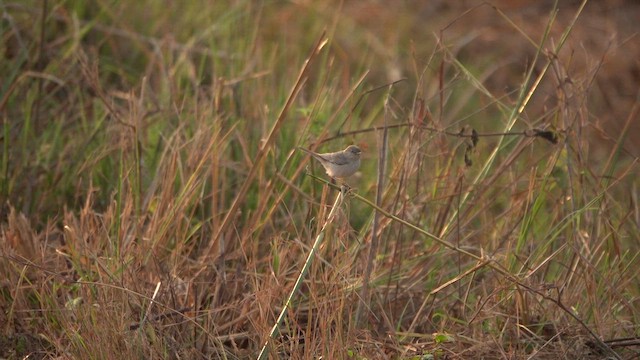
[{"x": 308, "y": 152}]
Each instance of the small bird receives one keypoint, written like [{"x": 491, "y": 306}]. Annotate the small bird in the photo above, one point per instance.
[{"x": 339, "y": 164}]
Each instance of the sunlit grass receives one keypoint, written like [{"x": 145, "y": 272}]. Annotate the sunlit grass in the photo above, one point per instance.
[{"x": 153, "y": 147}]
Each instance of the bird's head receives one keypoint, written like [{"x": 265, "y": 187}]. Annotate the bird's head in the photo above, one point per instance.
[{"x": 354, "y": 150}]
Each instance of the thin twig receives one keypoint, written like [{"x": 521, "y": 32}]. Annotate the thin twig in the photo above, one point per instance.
[
  {"x": 305, "y": 269},
  {"x": 548, "y": 135},
  {"x": 373, "y": 249}
]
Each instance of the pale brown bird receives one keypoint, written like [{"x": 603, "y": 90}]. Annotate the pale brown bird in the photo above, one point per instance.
[{"x": 339, "y": 164}]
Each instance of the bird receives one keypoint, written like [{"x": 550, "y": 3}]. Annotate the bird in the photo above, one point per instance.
[{"x": 339, "y": 164}]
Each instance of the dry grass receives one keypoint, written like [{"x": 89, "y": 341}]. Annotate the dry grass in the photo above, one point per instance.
[{"x": 154, "y": 206}]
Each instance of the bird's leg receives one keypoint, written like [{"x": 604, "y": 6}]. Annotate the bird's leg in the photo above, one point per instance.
[{"x": 345, "y": 189}]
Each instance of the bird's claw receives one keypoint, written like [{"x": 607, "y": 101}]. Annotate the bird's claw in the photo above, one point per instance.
[{"x": 345, "y": 189}]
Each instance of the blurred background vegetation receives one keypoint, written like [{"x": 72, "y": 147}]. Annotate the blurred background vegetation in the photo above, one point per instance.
[{"x": 130, "y": 129}]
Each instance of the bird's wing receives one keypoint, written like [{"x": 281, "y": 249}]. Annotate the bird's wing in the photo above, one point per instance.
[{"x": 338, "y": 158}]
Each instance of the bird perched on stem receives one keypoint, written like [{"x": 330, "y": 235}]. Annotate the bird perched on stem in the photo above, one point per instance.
[{"x": 339, "y": 164}]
